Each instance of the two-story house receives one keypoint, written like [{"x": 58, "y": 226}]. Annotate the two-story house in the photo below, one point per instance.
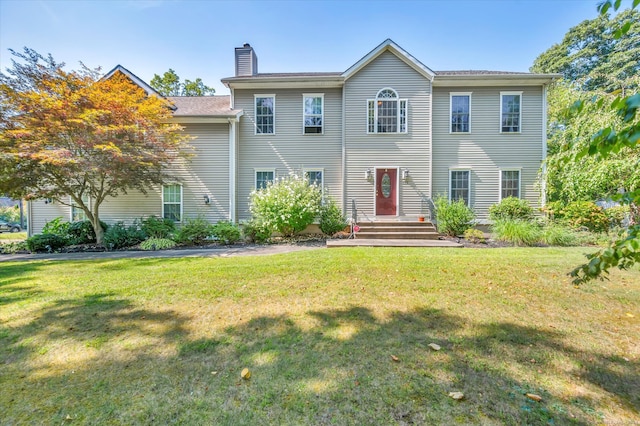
[{"x": 388, "y": 135}]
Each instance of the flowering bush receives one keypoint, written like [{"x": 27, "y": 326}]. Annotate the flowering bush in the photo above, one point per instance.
[{"x": 288, "y": 205}]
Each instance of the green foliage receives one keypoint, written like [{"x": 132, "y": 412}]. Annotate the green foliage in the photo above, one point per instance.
[
  {"x": 13, "y": 247},
  {"x": 82, "y": 232},
  {"x": 156, "y": 227},
  {"x": 227, "y": 232},
  {"x": 57, "y": 227},
  {"x": 256, "y": 231},
  {"x": 157, "y": 244},
  {"x": 617, "y": 215},
  {"x": 195, "y": 231},
  {"x": 585, "y": 214},
  {"x": 170, "y": 85},
  {"x": 119, "y": 236},
  {"x": 10, "y": 214},
  {"x": 473, "y": 235},
  {"x": 557, "y": 235},
  {"x": 511, "y": 208},
  {"x": 45, "y": 243},
  {"x": 554, "y": 209},
  {"x": 331, "y": 218},
  {"x": 288, "y": 205},
  {"x": 517, "y": 232},
  {"x": 453, "y": 218}
]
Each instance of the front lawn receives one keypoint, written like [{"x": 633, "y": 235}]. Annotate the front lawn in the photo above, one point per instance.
[
  {"x": 336, "y": 336},
  {"x": 13, "y": 236}
]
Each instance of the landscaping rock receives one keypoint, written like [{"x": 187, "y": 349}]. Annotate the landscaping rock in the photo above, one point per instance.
[
  {"x": 456, "y": 395},
  {"x": 434, "y": 346}
]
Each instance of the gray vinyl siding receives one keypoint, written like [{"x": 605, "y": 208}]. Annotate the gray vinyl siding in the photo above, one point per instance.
[
  {"x": 288, "y": 150},
  {"x": 486, "y": 151},
  {"x": 207, "y": 172},
  {"x": 403, "y": 150}
]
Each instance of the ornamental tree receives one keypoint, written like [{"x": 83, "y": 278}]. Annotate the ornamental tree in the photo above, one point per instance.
[{"x": 70, "y": 135}]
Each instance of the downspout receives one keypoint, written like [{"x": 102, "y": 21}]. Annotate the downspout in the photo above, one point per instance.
[
  {"x": 29, "y": 218},
  {"x": 543, "y": 186},
  {"x": 344, "y": 155},
  {"x": 430, "y": 173},
  {"x": 232, "y": 169}
]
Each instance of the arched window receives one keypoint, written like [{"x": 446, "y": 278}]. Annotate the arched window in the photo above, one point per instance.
[{"x": 387, "y": 113}]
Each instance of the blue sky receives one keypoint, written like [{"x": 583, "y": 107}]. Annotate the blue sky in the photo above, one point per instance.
[{"x": 197, "y": 38}]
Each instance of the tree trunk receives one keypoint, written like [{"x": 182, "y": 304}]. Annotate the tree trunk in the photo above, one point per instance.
[{"x": 97, "y": 228}]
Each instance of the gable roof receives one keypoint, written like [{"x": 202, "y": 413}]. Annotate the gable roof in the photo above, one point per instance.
[
  {"x": 391, "y": 46},
  {"x": 136, "y": 80}
]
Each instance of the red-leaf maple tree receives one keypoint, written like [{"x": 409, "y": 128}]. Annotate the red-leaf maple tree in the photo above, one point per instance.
[{"x": 69, "y": 135}]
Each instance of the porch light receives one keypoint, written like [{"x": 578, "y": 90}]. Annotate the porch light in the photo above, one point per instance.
[
  {"x": 206, "y": 199},
  {"x": 405, "y": 175},
  {"x": 368, "y": 174}
]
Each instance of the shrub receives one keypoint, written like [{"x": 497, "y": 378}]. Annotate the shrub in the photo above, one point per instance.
[
  {"x": 45, "y": 242},
  {"x": 82, "y": 232},
  {"x": 617, "y": 215},
  {"x": 586, "y": 213},
  {"x": 288, "y": 206},
  {"x": 227, "y": 232},
  {"x": 554, "y": 209},
  {"x": 195, "y": 231},
  {"x": 157, "y": 244},
  {"x": 453, "y": 218},
  {"x": 120, "y": 236},
  {"x": 57, "y": 227},
  {"x": 558, "y": 235},
  {"x": 13, "y": 247},
  {"x": 331, "y": 218},
  {"x": 517, "y": 232},
  {"x": 475, "y": 236},
  {"x": 155, "y": 227},
  {"x": 511, "y": 208},
  {"x": 256, "y": 231}
]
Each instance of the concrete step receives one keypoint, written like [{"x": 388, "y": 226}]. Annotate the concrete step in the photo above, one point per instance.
[
  {"x": 392, "y": 243},
  {"x": 387, "y": 228},
  {"x": 395, "y": 235}
]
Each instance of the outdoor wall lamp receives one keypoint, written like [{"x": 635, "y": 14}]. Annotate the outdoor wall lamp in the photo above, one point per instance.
[
  {"x": 368, "y": 174},
  {"x": 48, "y": 201},
  {"x": 206, "y": 199},
  {"x": 405, "y": 175}
]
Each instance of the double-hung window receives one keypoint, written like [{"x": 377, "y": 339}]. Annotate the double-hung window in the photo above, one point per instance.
[
  {"x": 313, "y": 114},
  {"x": 509, "y": 183},
  {"x": 315, "y": 177},
  {"x": 459, "y": 185},
  {"x": 510, "y": 112},
  {"x": 265, "y": 114},
  {"x": 460, "y": 112},
  {"x": 387, "y": 113},
  {"x": 77, "y": 214},
  {"x": 172, "y": 202},
  {"x": 263, "y": 178}
]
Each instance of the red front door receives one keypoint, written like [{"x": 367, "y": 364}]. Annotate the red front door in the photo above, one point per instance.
[{"x": 386, "y": 192}]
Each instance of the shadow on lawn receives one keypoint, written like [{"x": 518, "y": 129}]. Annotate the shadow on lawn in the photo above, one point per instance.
[{"x": 338, "y": 370}]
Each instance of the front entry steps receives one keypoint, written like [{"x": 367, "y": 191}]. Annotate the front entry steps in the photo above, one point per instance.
[{"x": 394, "y": 234}]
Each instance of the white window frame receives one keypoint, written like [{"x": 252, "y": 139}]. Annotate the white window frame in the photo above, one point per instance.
[
  {"x": 171, "y": 202},
  {"x": 511, "y": 93},
  {"x": 255, "y": 113},
  {"x": 451, "y": 95},
  {"x": 461, "y": 169},
  {"x": 255, "y": 177},
  {"x": 512, "y": 169},
  {"x": 399, "y": 109},
  {"x": 304, "y": 115},
  {"x": 73, "y": 206},
  {"x": 316, "y": 169}
]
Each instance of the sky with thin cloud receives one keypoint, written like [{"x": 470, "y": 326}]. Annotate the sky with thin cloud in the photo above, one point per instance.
[{"x": 197, "y": 38}]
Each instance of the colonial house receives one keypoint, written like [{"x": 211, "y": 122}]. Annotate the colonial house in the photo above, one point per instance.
[{"x": 384, "y": 137}]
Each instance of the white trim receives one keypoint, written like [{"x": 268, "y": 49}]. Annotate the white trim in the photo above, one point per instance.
[
  {"x": 73, "y": 205},
  {"x": 375, "y": 187},
  {"x": 343, "y": 178},
  {"x": 543, "y": 192},
  {"x": 255, "y": 113},
  {"x": 391, "y": 46},
  {"x": 135, "y": 79},
  {"x": 315, "y": 169},
  {"x": 430, "y": 167},
  {"x": 181, "y": 199},
  {"x": 451, "y": 95},
  {"x": 255, "y": 176},
  {"x": 398, "y": 101},
  {"x": 509, "y": 169},
  {"x": 232, "y": 170},
  {"x": 507, "y": 93},
  {"x": 461, "y": 169},
  {"x": 312, "y": 95}
]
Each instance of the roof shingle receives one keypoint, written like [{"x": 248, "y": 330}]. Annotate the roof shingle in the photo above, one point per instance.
[{"x": 202, "y": 105}]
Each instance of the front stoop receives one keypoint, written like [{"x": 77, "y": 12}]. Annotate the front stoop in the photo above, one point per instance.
[{"x": 392, "y": 243}]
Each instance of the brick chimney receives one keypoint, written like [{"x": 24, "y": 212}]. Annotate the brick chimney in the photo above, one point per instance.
[{"x": 246, "y": 61}]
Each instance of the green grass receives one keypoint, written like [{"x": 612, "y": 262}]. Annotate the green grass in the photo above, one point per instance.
[
  {"x": 164, "y": 340},
  {"x": 18, "y": 236}
]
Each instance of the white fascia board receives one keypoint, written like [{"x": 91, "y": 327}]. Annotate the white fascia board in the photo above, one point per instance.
[
  {"x": 137, "y": 80},
  {"x": 391, "y": 46},
  {"x": 205, "y": 118},
  {"x": 493, "y": 80},
  {"x": 284, "y": 83}
]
